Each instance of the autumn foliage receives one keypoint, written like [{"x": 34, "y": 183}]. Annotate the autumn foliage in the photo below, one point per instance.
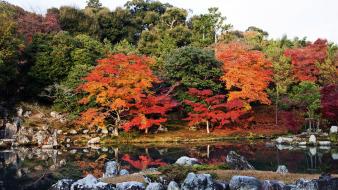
[
  {"x": 329, "y": 102},
  {"x": 213, "y": 110},
  {"x": 120, "y": 88},
  {"x": 305, "y": 60},
  {"x": 149, "y": 111},
  {"x": 247, "y": 73}
]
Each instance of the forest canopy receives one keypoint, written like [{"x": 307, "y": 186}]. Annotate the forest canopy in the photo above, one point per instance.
[{"x": 134, "y": 67}]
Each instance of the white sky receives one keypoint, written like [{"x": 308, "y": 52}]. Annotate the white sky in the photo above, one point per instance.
[{"x": 311, "y": 18}]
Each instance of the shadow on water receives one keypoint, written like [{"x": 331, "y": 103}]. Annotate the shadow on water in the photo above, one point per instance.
[{"x": 34, "y": 168}]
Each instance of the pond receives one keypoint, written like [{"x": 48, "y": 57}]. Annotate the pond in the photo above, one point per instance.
[{"x": 34, "y": 168}]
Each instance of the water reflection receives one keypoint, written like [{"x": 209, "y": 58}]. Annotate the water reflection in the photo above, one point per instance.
[{"x": 28, "y": 168}]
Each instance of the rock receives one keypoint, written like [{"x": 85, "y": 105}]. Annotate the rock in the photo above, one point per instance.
[
  {"x": 245, "y": 183},
  {"x": 22, "y": 139},
  {"x": 334, "y": 156},
  {"x": 40, "y": 137},
  {"x": 173, "y": 186},
  {"x": 59, "y": 132},
  {"x": 155, "y": 186},
  {"x": 238, "y": 162},
  {"x": 324, "y": 143},
  {"x": 333, "y": 129},
  {"x": 53, "y": 114},
  {"x": 111, "y": 169},
  {"x": 123, "y": 172},
  {"x": 282, "y": 169},
  {"x": 85, "y": 131},
  {"x": 302, "y": 143},
  {"x": 326, "y": 182},
  {"x": 104, "y": 131},
  {"x": 27, "y": 114},
  {"x": 198, "y": 182},
  {"x": 19, "y": 111},
  {"x": 284, "y": 140},
  {"x": 272, "y": 185},
  {"x": 186, "y": 161},
  {"x": 303, "y": 184},
  {"x": 90, "y": 183},
  {"x": 95, "y": 140},
  {"x": 63, "y": 184},
  {"x": 161, "y": 129},
  {"x": 130, "y": 185},
  {"x": 72, "y": 132},
  {"x": 312, "y": 140},
  {"x": 47, "y": 146},
  {"x": 11, "y": 130}
]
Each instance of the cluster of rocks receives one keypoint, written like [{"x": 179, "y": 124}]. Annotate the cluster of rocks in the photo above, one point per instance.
[
  {"x": 200, "y": 182},
  {"x": 42, "y": 136},
  {"x": 309, "y": 139}
]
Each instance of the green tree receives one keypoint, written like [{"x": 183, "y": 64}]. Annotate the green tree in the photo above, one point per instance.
[
  {"x": 10, "y": 45},
  {"x": 207, "y": 27},
  {"x": 94, "y": 4},
  {"x": 306, "y": 95},
  {"x": 192, "y": 67}
]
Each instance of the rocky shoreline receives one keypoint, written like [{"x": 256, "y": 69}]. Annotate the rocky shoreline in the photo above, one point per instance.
[{"x": 154, "y": 179}]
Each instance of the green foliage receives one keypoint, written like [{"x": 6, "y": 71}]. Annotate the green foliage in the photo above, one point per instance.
[
  {"x": 193, "y": 67},
  {"x": 10, "y": 46},
  {"x": 206, "y": 27},
  {"x": 306, "y": 95}
]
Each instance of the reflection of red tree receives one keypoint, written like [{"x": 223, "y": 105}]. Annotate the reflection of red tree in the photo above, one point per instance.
[{"x": 143, "y": 162}]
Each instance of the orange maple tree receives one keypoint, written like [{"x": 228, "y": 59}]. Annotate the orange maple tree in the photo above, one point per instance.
[
  {"x": 304, "y": 60},
  {"x": 247, "y": 73},
  {"x": 112, "y": 86},
  {"x": 143, "y": 161},
  {"x": 213, "y": 109}
]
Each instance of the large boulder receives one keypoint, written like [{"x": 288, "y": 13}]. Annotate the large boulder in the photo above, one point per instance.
[
  {"x": 327, "y": 182},
  {"x": 284, "y": 140},
  {"x": 186, "y": 161},
  {"x": 312, "y": 140},
  {"x": 245, "y": 183},
  {"x": 238, "y": 162},
  {"x": 90, "y": 183},
  {"x": 173, "y": 186},
  {"x": 155, "y": 186},
  {"x": 198, "y": 182},
  {"x": 282, "y": 169},
  {"x": 130, "y": 185},
  {"x": 303, "y": 184},
  {"x": 11, "y": 130},
  {"x": 333, "y": 129},
  {"x": 63, "y": 184},
  {"x": 123, "y": 172},
  {"x": 111, "y": 169}
]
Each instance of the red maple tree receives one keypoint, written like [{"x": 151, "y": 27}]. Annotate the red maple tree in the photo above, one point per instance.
[
  {"x": 304, "y": 60},
  {"x": 329, "y": 102},
  {"x": 210, "y": 109},
  {"x": 150, "y": 111}
]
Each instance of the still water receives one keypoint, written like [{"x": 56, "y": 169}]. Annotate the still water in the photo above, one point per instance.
[{"x": 34, "y": 168}]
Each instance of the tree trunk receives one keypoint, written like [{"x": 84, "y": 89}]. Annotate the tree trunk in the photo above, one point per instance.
[
  {"x": 276, "y": 111},
  {"x": 146, "y": 131},
  {"x": 208, "y": 130}
]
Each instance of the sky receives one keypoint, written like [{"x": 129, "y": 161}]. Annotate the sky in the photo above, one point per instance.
[{"x": 302, "y": 18}]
